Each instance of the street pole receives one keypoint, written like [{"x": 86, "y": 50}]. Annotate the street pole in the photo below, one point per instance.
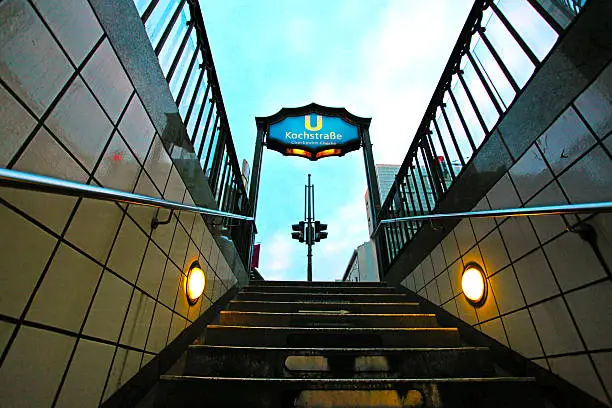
[{"x": 309, "y": 229}]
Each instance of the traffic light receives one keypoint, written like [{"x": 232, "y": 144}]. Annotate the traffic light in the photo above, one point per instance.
[
  {"x": 299, "y": 234},
  {"x": 320, "y": 231}
]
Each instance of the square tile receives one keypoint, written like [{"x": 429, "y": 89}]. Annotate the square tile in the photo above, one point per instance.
[
  {"x": 522, "y": 335},
  {"x": 158, "y": 163},
  {"x": 126, "y": 364},
  {"x": 433, "y": 294},
  {"x": 152, "y": 270},
  {"x": 482, "y": 226},
  {"x": 80, "y": 124},
  {"x": 6, "y": 331},
  {"x": 146, "y": 358},
  {"x": 181, "y": 306},
  {"x": 73, "y": 23},
  {"x": 437, "y": 258},
  {"x": 555, "y": 327},
  {"x": 177, "y": 326},
  {"x": 444, "y": 287},
  {"x": 137, "y": 129},
  {"x": 530, "y": 173},
  {"x": 66, "y": 291},
  {"x": 548, "y": 226},
  {"x": 603, "y": 226},
  {"x": 143, "y": 214},
  {"x": 180, "y": 242},
  {"x": 428, "y": 271},
  {"x": 489, "y": 309},
  {"x": 587, "y": 181},
  {"x": 118, "y": 167},
  {"x": 595, "y": 103},
  {"x": 565, "y": 141},
  {"x": 170, "y": 285},
  {"x": 451, "y": 307},
  {"x": 22, "y": 371},
  {"x": 579, "y": 371},
  {"x": 138, "y": 321},
  {"x": 159, "y": 329},
  {"x": 495, "y": 330},
  {"x": 17, "y": 124},
  {"x": 592, "y": 309},
  {"x": 603, "y": 363},
  {"x": 128, "y": 251},
  {"x": 175, "y": 189},
  {"x": 503, "y": 194},
  {"x": 467, "y": 313},
  {"x": 197, "y": 232},
  {"x": 418, "y": 277},
  {"x": 507, "y": 290},
  {"x": 32, "y": 63},
  {"x": 455, "y": 272},
  {"x": 535, "y": 277},
  {"x": 451, "y": 250},
  {"x": 493, "y": 253},
  {"x": 573, "y": 261},
  {"x": 94, "y": 227},
  {"x": 518, "y": 236},
  {"x": 163, "y": 235},
  {"x": 86, "y": 375},
  {"x": 26, "y": 252},
  {"x": 465, "y": 236},
  {"x": 107, "y": 79},
  {"x": 108, "y": 310}
]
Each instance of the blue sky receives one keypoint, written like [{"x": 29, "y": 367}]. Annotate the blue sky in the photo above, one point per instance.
[{"x": 379, "y": 59}]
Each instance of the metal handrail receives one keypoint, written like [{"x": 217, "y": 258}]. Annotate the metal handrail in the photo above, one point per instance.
[
  {"x": 585, "y": 208},
  {"x": 37, "y": 182}
]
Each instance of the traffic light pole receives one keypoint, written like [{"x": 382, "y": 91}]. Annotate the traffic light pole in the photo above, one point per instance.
[{"x": 309, "y": 234}]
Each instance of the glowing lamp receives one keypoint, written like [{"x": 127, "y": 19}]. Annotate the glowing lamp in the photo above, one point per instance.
[
  {"x": 196, "y": 282},
  {"x": 328, "y": 152},
  {"x": 299, "y": 152},
  {"x": 474, "y": 284}
]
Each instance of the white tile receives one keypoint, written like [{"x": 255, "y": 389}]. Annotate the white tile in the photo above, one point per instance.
[
  {"x": 603, "y": 363},
  {"x": 428, "y": 271},
  {"x": 159, "y": 329},
  {"x": 592, "y": 309},
  {"x": 451, "y": 307},
  {"x": 489, "y": 309},
  {"x": 603, "y": 226},
  {"x": 432, "y": 291},
  {"x": 118, "y": 167},
  {"x": 143, "y": 214},
  {"x": 36, "y": 361},
  {"x": 138, "y": 321},
  {"x": 16, "y": 123},
  {"x": 495, "y": 330},
  {"x": 518, "y": 236},
  {"x": 588, "y": 180},
  {"x": 158, "y": 164},
  {"x": 32, "y": 63},
  {"x": 170, "y": 285},
  {"x": 175, "y": 189},
  {"x": 507, "y": 291},
  {"x": 6, "y": 331},
  {"x": 503, "y": 194},
  {"x": 595, "y": 103},
  {"x": 137, "y": 129},
  {"x": 578, "y": 370},
  {"x": 177, "y": 326},
  {"x": 555, "y": 327},
  {"x": 451, "y": 250},
  {"x": 467, "y": 313},
  {"x": 455, "y": 272},
  {"x": 180, "y": 243},
  {"x": 128, "y": 250},
  {"x": 66, "y": 291},
  {"x": 94, "y": 227},
  {"x": 493, "y": 253},
  {"x": 418, "y": 277},
  {"x": 108, "y": 309},
  {"x": 79, "y": 122},
  {"x": 482, "y": 226},
  {"x": 548, "y": 226},
  {"x": 530, "y": 173},
  {"x": 86, "y": 375},
  {"x": 126, "y": 364},
  {"x": 535, "y": 277},
  {"x": 437, "y": 258},
  {"x": 25, "y": 251},
  {"x": 444, "y": 286},
  {"x": 522, "y": 335},
  {"x": 465, "y": 235},
  {"x": 152, "y": 270},
  {"x": 73, "y": 23},
  {"x": 573, "y": 261},
  {"x": 107, "y": 79}
]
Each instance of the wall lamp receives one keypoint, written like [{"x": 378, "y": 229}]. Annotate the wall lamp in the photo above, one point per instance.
[
  {"x": 474, "y": 284},
  {"x": 196, "y": 282}
]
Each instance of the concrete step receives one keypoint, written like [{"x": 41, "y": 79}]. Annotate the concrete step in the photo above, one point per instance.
[
  {"x": 262, "y": 362},
  {"x": 331, "y": 337},
  {"x": 323, "y": 297},
  {"x": 295, "y": 307},
  {"x": 330, "y": 284},
  {"x": 326, "y": 319},
  {"x": 219, "y": 392},
  {"x": 320, "y": 289}
]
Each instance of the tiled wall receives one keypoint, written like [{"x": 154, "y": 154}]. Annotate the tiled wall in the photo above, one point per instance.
[
  {"x": 88, "y": 293},
  {"x": 550, "y": 297}
]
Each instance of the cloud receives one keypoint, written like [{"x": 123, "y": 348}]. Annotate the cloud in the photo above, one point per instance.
[{"x": 277, "y": 254}]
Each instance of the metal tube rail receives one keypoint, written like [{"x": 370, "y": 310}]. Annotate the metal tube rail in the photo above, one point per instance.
[
  {"x": 36, "y": 182},
  {"x": 586, "y": 208}
]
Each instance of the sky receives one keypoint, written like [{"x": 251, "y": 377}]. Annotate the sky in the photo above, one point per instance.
[{"x": 378, "y": 59}]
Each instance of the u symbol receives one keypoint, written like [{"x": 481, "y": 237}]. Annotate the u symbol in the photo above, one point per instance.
[{"x": 309, "y": 126}]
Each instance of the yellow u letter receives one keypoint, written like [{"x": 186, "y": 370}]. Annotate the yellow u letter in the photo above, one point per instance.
[{"x": 319, "y": 122}]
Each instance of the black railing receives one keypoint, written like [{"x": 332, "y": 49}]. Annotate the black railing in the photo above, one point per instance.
[
  {"x": 178, "y": 37},
  {"x": 490, "y": 64}
]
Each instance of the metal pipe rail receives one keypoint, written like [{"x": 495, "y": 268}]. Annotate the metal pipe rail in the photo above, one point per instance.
[
  {"x": 585, "y": 208},
  {"x": 36, "y": 182}
]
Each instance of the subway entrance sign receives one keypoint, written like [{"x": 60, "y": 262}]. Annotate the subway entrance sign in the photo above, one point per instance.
[{"x": 313, "y": 133}]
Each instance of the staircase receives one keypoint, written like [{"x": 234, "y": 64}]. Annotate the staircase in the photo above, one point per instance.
[{"x": 337, "y": 344}]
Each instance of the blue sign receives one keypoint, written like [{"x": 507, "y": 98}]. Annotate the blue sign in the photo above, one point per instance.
[{"x": 313, "y": 132}]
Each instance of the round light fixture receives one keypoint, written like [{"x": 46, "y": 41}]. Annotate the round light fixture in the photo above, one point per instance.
[
  {"x": 474, "y": 284},
  {"x": 196, "y": 282}
]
